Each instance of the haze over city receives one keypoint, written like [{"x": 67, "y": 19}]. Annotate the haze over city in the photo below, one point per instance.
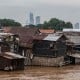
[{"x": 68, "y": 10}]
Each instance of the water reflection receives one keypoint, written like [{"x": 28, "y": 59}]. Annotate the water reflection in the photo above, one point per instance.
[{"x": 71, "y": 72}]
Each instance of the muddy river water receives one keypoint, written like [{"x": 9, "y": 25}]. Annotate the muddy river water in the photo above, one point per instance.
[{"x": 70, "y": 72}]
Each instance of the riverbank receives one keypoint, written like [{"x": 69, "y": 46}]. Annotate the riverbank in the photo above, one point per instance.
[{"x": 71, "y": 72}]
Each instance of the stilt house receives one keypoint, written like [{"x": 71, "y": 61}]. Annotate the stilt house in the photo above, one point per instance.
[
  {"x": 26, "y": 35},
  {"x": 9, "y": 59},
  {"x": 73, "y": 44},
  {"x": 49, "y": 50}
]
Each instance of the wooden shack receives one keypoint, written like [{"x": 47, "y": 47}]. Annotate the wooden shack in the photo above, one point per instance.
[
  {"x": 73, "y": 45},
  {"x": 49, "y": 51},
  {"x": 9, "y": 42},
  {"x": 26, "y": 35},
  {"x": 74, "y": 49},
  {"x": 11, "y": 61}
]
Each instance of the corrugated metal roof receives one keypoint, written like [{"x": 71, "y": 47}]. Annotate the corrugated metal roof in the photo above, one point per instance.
[
  {"x": 5, "y": 34},
  {"x": 11, "y": 55},
  {"x": 74, "y": 39},
  {"x": 47, "y": 31},
  {"x": 40, "y": 36},
  {"x": 25, "y": 34},
  {"x": 71, "y": 30},
  {"x": 75, "y": 55},
  {"x": 8, "y": 57},
  {"x": 52, "y": 37},
  {"x": 14, "y": 55}
]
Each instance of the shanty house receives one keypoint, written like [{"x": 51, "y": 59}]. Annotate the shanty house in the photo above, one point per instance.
[
  {"x": 49, "y": 50},
  {"x": 26, "y": 35},
  {"x": 8, "y": 42},
  {"x": 11, "y": 61},
  {"x": 73, "y": 44}
]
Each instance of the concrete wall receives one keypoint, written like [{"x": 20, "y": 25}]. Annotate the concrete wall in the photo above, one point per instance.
[{"x": 45, "y": 61}]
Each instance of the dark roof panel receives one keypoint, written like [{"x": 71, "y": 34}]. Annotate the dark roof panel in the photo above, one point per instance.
[{"x": 26, "y": 34}]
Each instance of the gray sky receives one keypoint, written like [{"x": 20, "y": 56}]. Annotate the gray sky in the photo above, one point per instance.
[{"x": 68, "y": 10}]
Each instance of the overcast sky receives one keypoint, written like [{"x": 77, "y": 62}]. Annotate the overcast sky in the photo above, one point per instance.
[{"x": 68, "y": 10}]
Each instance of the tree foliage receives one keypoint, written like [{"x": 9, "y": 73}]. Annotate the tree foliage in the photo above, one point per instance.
[
  {"x": 9, "y": 22},
  {"x": 56, "y": 24}
]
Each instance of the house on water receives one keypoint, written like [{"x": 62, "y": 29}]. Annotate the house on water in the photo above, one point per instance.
[
  {"x": 73, "y": 44},
  {"x": 26, "y": 35},
  {"x": 49, "y": 50},
  {"x": 9, "y": 59}
]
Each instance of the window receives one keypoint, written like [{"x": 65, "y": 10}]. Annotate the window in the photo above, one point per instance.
[{"x": 51, "y": 45}]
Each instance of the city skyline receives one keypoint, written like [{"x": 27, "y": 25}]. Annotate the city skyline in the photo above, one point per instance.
[
  {"x": 67, "y": 10},
  {"x": 37, "y": 20},
  {"x": 76, "y": 26},
  {"x": 31, "y": 18}
]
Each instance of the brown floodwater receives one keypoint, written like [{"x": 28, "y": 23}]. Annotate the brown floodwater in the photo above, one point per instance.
[{"x": 70, "y": 72}]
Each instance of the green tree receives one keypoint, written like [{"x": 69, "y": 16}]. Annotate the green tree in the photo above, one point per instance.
[
  {"x": 56, "y": 24},
  {"x": 9, "y": 22},
  {"x": 68, "y": 25}
]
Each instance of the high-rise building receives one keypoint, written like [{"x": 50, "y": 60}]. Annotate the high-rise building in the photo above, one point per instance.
[
  {"x": 37, "y": 20},
  {"x": 76, "y": 26},
  {"x": 31, "y": 22}
]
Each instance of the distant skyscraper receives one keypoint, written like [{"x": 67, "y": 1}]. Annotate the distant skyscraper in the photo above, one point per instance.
[
  {"x": 76, "y": 26},
  {"x": 31, "y": 19},
  {"x": 37, "y": 20}
]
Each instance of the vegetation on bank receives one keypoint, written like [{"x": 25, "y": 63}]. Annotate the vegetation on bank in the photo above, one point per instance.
[
  {"x": 56, "y": 24},
  {"x": 9, "y": 22},
  {"x": 53, "y": 23}
]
